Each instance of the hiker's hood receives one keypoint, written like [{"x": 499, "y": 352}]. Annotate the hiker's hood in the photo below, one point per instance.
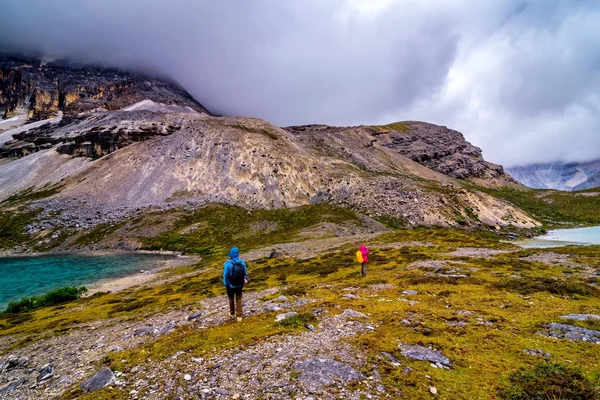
[
  {"x": 363, "y": 249},
  {"x": 234, "y": 252}
]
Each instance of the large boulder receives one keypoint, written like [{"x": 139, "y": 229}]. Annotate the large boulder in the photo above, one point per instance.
[
  {"x": 316, "y": 373},
  {"x": 100, "y": 379}
]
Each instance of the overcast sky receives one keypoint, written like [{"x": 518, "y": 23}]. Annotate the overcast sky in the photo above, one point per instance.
[{"x": 520, "y": 78}]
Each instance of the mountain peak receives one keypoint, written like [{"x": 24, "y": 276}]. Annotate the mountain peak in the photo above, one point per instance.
[{"x": 42, "y": 89}]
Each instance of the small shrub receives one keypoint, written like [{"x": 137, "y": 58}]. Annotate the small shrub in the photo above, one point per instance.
[
  {"x": 58, "y": 296},
  {"x": 549, "y": 381},
  {"x": 298, "y": 321},
  {"x": 295, "y": 290}
]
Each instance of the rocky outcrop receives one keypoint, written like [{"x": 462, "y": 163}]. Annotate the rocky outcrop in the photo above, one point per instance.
[
  {"x": 43, "y": 89},
  {"x": 436, "y": 147},
  {"x": 85, "y": 136}
]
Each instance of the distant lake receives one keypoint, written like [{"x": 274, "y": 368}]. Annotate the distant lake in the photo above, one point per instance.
[
  {"x": 565, "y": 237},
  {"x": 32, "y": 276}
]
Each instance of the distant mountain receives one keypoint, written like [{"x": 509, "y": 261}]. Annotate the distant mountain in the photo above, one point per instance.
[
  {"x": 592, "y": 182},
  {"x": 558, "y": 175}
]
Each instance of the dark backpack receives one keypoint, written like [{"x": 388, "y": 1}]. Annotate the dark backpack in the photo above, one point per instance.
[{"x": 236, "y": 273}]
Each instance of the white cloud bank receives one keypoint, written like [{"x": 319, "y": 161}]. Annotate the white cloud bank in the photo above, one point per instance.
[{"x": 520, "y": 78}]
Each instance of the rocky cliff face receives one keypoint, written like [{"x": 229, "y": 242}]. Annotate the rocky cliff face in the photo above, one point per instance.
[
  {"x": 44, "y": 89},
  {"x": 436, "y": 147}
]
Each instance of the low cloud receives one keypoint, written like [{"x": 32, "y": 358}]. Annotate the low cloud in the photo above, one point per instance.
[{"x": 518, "y": 77}]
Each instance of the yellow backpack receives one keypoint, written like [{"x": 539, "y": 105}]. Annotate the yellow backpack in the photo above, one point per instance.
[{"x": 359, "y": 257}]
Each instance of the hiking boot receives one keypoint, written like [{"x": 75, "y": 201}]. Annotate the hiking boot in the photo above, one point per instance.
[
  {"x": 239, "y": 319},
  {"x": 232, "y": 314}
]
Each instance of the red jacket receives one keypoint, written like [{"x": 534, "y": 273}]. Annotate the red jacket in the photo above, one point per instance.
[{"x": 365, "y": 252}]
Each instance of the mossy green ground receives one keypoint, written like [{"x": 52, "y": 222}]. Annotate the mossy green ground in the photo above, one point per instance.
[
  {"x": 555, "y": 209},
  {"x": 506, "y": 319}
]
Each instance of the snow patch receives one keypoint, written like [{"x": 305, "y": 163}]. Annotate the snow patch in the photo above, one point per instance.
[
  {"x": 579, "y": 177},
  {"x": 6, "y": 121},
  {"x": 149, "y": 105}
]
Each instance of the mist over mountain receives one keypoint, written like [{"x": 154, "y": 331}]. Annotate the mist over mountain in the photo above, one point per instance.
[
  {"x": 517, "y": 77},
  {"x": 558, "y": 175}
]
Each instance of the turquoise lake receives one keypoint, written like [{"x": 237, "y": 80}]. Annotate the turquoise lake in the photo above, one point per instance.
[
  {"x": 31, "y": 276},
  {"x": 566, "y": 237}
]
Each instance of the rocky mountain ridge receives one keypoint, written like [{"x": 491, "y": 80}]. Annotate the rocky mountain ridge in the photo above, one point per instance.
[
  {"x": 149, "y": 158},
  {"x": 436, "y": 147},
  {"x": 42, "y": 89}
]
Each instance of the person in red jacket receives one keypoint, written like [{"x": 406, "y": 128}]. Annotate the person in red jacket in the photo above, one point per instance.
[{"x": 365, "y": 256}]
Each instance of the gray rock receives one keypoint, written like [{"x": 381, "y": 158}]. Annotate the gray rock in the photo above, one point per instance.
[
  {"x": 537, "y": 353},
  {"x": 310, "y": 327},
  {"x": 12, "y": 386},
  {"x": 395, "y": 362},
  {"x": 572, "y": 332},
  {"x": 409, "y": 292},
  {"x": 421, "y": 353},
  {"x": 16, "y": 363},
  {"x": 281, "y": 299},
  {"x": 223, "y": 392},
  {"x": 316, "y": 373},
  {"x": 146, "y": 330},
  {"x": 353, "y": 314},
  {"x": 100, "y": 379},
  {"x": 168, "y": 328},
  {"x": 283, "y": 316},
  {"x": 581, "y": 317},
  {"x": 272, "y": 307},
  {"x": 194, "y": 316},
  {"x": 46, "y": 372},
  {"x": 351, "y": 296}
]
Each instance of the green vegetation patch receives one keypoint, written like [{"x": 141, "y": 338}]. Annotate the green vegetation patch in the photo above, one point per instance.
[
  {"x": 32, "y": 194},
  {"x": 58, "y": 296},
  {"x": 529, "y": 285},
  {"x": 549, "y": 381},
  {"x": 12, "y": 227},
  {"x": 551, "y": 207},
  {"x": 217, "y": 227},
  {"x": 394, "y": 126},
  {"x": 298, "y": 320},
  {"x": 97, "y": 233}
]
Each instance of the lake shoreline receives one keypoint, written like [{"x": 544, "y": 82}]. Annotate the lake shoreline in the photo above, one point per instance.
[
  {"x": 142, "y": 277},
  {"x": 125, "y": 275},
  {"x": 587, "y": 236},
  {"x": 10, "y": 254}
]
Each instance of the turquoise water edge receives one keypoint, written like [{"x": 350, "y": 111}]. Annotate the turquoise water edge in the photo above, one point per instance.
[
  {"x": 32, "y": 276},
  {"x": 565, "y": 237}
]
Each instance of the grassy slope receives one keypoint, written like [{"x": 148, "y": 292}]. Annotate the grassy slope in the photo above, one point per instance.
[
  {"x": 554, "y": 208},
  {"x": 482, "y": 355}
]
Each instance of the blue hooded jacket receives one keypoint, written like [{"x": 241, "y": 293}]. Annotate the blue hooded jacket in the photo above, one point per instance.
[{"x": 234, "y": 254}]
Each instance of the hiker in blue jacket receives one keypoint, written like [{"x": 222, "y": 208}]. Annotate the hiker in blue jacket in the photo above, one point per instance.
[{"x": 235, "y": 275}]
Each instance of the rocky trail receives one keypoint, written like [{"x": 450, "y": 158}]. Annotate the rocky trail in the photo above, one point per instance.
[{"x": 269, "y": 369}]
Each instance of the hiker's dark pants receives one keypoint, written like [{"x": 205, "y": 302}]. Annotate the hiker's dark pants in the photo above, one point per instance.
[
  {"x": 363, "y": 269},
  {"x": 235, "y": 307}
]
